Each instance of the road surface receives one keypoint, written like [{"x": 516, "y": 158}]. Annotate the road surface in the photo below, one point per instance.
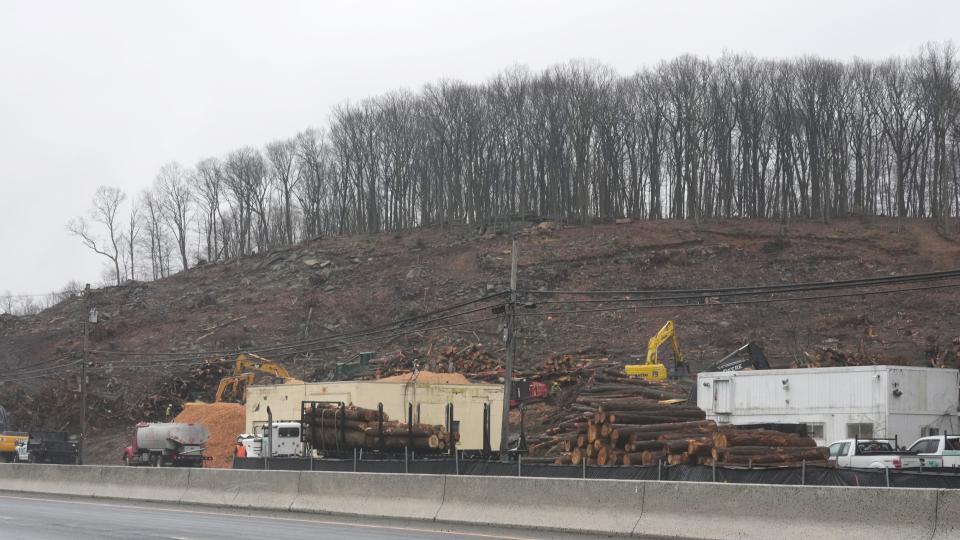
[{"x": 45, "y": 518}]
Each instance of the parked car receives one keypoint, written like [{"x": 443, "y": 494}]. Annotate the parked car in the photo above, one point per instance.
[
  {"x": 871, "y": 454},
  {"x": 938, "y": 450}
]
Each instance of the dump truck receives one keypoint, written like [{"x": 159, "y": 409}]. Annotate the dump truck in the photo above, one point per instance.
[{"x": 167, "y": 445}]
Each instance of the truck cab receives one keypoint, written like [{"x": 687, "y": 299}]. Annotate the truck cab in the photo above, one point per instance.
[
  {"x": 282, "y": 440},
  {"x": 938, "y": 450}
]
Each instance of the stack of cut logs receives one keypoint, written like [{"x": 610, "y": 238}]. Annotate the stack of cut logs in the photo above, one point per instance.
[
  {"x": 333, "y": 428},
  {"x": 639, "y": 437}
]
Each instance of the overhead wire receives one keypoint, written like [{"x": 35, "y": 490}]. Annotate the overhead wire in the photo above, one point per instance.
[
  {"x": 758, "y": 289},
  {"x": 735, "y": 302}
]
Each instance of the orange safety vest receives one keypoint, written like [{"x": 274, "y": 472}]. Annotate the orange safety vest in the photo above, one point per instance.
[{"x": 241, "y": 450}]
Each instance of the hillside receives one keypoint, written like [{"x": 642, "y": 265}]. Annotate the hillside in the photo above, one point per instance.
[{"x": 344, "y": 285}]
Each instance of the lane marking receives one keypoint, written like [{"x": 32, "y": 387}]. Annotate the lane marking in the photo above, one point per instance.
[{"x": 297, "y": 520}]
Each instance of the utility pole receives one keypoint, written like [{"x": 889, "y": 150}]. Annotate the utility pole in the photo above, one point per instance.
[
  {"x": 511, "y": 353},
  {"x": 83, "y": 387},
  {"x": 89, "y": 317}
]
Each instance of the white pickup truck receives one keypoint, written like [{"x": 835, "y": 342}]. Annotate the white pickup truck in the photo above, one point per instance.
[
  {"x": 871, "y": 454},
  {"x": 938, "y": 450}
]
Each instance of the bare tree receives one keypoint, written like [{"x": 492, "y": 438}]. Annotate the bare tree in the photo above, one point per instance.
[
  {"x": 176, "y": 199},
  {"x": 282, "y": 157},
  {"x": 104, "y": 211}
]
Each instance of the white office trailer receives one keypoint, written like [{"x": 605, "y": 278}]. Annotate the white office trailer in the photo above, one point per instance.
[{"x": 837, "y": 403}]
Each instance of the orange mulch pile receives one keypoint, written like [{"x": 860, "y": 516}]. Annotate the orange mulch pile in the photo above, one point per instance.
[
  {"x": 225, "y": 421},
  {"x": 428, "y": 377}
]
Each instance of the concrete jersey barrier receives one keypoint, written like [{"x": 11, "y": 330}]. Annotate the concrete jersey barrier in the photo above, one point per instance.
[
  {"x": 616, "y": 507},
  {"x": 604, "y": 506},
  {"x": 269, "y": 490},
  {"x": 720, "y": 511},
  {"x": 410, "y": 496}
]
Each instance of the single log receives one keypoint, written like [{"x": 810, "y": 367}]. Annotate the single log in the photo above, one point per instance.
[
  {"x": 576, "y": 456},
  {"x": 668, "y": 426},
  {"x": 614, "y": 437},
  {"x": 581, "y": 440},
  {"x": 643, "y": 445},
  {"x": 431, "y": 442},
  {"x": 706, "y": 435},
  {"x": 349, "y": 413},
  {"x": 650, "y": 436},
  {"x": 645, "y": 416},
  {"x": 633, "y": 458},
  {"x": 615, "y": 457},
  {"x": 330, "y": 422},
  {"x": 749, "y": 438},
  {"x": 747, "y": 451},
  {"x": 773, "y": 458},
  {"x": 563, "y": 459},
  {"x": 602, "y": 455},
  {"x": 651, "y": 458},
  {"x": 679, "y": 445},
  {"x": 700, "y": 447},
  {"x": 592, "y": 432}
]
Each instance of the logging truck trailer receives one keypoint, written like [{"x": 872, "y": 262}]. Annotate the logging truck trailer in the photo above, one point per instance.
[{"x": 167, "y": 445}]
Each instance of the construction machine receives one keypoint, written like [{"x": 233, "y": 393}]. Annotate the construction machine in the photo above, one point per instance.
[
  {"x": 755, "y": 359},
  {"x": 653, "y": 369},
  {"x": 244, "y": 374},
  {"x": 9, "y": 444}
]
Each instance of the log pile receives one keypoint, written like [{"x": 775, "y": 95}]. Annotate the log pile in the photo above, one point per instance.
[
  {"x": 333, "y": 428},
  {"x": 614, "y": 438},
  {"x": 764, "y": 447}
]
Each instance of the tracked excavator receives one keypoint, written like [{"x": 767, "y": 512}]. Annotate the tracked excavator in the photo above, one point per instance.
[
  {"x": 654, "y": 369},
  {"x": 244, "y": 374}
]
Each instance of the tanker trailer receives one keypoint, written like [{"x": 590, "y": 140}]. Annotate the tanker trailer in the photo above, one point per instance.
[{"x": 167, "y": 445}]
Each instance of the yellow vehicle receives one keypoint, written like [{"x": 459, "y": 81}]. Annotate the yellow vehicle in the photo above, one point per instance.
[
  {"x": 244, "y": 374},
  {"x": 653, "y": 369},
  {"x": 8, "y": 444}
]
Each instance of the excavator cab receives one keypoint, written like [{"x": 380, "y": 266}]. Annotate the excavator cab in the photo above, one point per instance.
[{"x": 653, "y": 369}]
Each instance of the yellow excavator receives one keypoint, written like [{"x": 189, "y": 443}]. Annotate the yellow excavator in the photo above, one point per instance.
[
  {"x": 653, "y": 369},
  {"x": 244, "y": 374}
]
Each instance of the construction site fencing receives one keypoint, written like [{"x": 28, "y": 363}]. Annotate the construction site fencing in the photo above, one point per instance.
[{"x": 803, "y": 475}]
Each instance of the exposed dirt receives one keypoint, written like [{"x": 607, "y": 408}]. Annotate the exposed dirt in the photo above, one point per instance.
[{"x": 349, "y": 284}]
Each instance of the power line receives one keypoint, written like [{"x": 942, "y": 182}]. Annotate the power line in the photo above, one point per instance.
[
  {"x": 725, "y": 291},
  {"x": 738, "y": 302}
]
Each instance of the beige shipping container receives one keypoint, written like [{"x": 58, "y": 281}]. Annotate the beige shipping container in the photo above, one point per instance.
[{"x": 468, "y": 399}]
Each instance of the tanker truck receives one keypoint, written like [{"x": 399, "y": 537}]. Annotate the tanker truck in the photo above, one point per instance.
[{"x": 167, "y": 445}]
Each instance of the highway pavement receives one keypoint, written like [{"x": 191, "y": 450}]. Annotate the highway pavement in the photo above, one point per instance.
[{"x": 45, "y": 518}]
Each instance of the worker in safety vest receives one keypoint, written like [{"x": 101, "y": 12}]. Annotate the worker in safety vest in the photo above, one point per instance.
[{"x": 240, "y": 450}]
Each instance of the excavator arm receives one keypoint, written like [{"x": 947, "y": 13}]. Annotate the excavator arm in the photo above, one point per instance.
[
  {"x": 230, "y": 386},
  {"x": 249, "y": 362},
  {"x": 667, "y": 333},
  {"x": 653, "y": 369}
]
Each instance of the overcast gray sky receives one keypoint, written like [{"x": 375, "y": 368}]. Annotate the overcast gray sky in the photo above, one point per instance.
[{"x": 95, "y": 93}]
